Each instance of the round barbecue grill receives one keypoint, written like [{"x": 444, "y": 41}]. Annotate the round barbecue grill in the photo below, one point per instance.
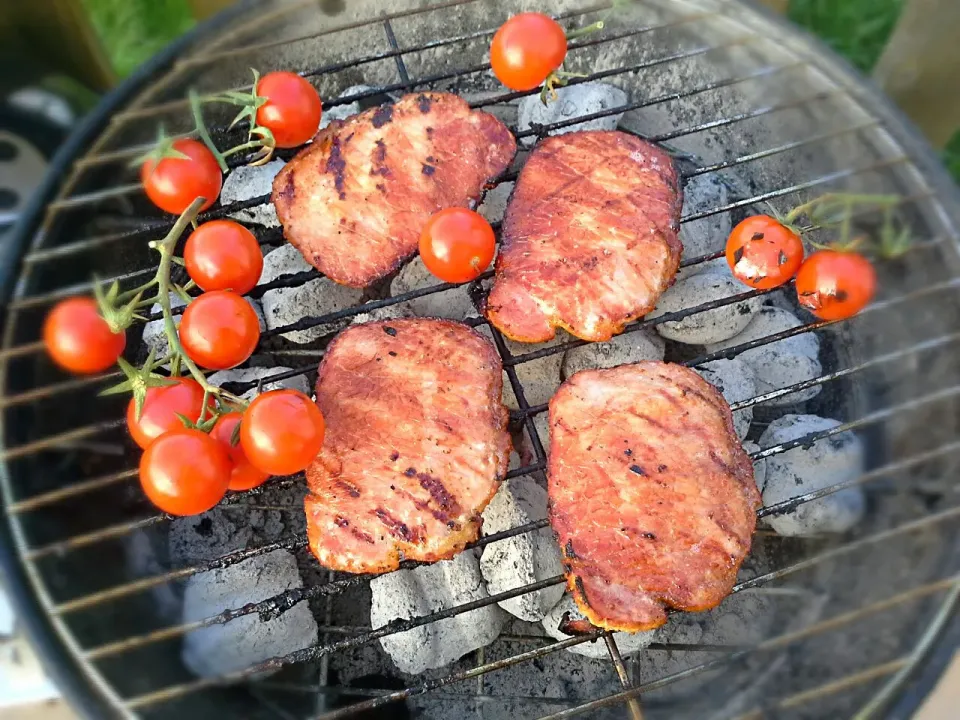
[{"x": 839, "y": 623}]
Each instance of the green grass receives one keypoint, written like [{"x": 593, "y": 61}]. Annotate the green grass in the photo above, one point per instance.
[
  {"x": 857, "y": 29},
  {"x": 132, "y": 31}
]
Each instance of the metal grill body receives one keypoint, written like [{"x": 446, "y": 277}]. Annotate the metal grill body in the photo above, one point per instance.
[{"x": 735, "y": 96}]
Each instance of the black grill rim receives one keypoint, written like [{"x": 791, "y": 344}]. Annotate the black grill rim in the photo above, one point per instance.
[
  {"x": 82, "y": 691},
  {"x": 77, "y": 686}
]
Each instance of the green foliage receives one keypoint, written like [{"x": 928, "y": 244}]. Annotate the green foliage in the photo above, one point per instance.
[
  {"x": 857, "y": 29},
  {"x": 132, "y": 31}
]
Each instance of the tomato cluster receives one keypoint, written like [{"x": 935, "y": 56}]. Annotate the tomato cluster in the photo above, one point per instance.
[
  {"x": 197, "y": 441},
  {"x": 833, "y": 284},
  {"x": 284, "y": 110}
]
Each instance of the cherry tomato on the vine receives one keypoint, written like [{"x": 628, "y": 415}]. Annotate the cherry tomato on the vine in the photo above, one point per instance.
[
  {"x": 161, "y": 407},
  {"x": 185, "y": 472},
  {"x": 244, "y": 476},
  {"x": 78, "y": 339},
  {"x": 282, "y": 431},
  {"x": 292, "y": 109},
  {"x": 526, "y": 49},
  {"x": 219, "y": 330},
  {"x": 223, "y": 255},
  {"x": 172, "y": 183},
  {"x": 835, "y": 285},
  {"x": 457, "y": 245},
  {"x": 763, "y": 253}
]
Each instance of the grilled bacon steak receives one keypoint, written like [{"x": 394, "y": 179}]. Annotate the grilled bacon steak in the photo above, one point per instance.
[
  {"x": 589, "y": 238},
  {"x": 651, "y": 494},
  {"x": 354, "y": 201},
  {"x": 415, "y": 448}
]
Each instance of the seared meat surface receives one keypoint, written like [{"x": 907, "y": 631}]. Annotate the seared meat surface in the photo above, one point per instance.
[
  {"x": 589, "y": 238},
  {"x": 354, "y": 201},
  {"x": 651, "y": 494},
  {"x": 416, "y": 444}
]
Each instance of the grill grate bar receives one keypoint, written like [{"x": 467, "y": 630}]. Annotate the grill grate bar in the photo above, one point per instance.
[
  {"x": 55, "y": 496},
  {"x": 834, "y": 686},
  {"x": 143, "y": 112},
  {"x": 779, "y": 641},
  {"x": 291, "y": 597},
  {"x": 773, "y": 194},
  {"x": 946, "y": 285},
  {"x": 401, "y": 86},
  {"x": 315, "y": 652},
  {"x": 59, "y": 440},
  {"x": 633, "y": 704},
  {"x": 44, "y": 254},
  {"x": 932, "y": 344},
  {"x": 542, "y": 130},
  {"x": 780, "y": 149},
  {"x": 539, "y": 130},
  {"x": 81, "y": 199},
  {"x": 726, "y": 353}
]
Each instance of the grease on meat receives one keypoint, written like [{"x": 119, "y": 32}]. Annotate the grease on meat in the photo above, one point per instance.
[
  {"x": 589, "y": 238},
  {"x": 415, "y": 448},
  {"x": 355, "y": 200},
  {"x": 651, "y": 494}
]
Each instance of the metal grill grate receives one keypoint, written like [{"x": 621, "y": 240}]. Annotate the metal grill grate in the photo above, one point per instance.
[{"x": 788, "y": 123}]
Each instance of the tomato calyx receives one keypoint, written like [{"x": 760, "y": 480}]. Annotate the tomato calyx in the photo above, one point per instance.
[
  {"x": 162, "y": 149},
  {"x": 138, "y": 381},
  {"x": 118, "y": 309},
  {"x": 259, "y": 138},
  {"x": 557, "y": 78}
]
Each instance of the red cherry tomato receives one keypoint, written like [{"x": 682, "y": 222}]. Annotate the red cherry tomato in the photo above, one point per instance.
[
  {"x": 160, "y": 409},
  {"x": 223, "y": 255},
  {"x": 185, "y": 472},
  {"x": 282, "y": 431},
  {"x": 244, "y": 476},
  {"x": 457, "y": 245},
  {"x": 836, "y": 285},
  {"x": 292, "y": 110},
  {"x": 78, "y": 339},
  {"x": 173, "y": 183},
  {"x": 763, "y": 253},
  {"x": 526, "y": 49},
  {"x": 219, "y": 330}
]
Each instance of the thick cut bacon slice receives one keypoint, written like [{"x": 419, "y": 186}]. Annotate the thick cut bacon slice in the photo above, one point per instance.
[
  {"x": 355, "y": 200},
  {"x": 651, "y": 494},
  {"x": 589, "y": 238},
  {"x": 416, "y": 444}
]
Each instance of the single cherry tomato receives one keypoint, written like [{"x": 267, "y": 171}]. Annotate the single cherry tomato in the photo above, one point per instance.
[
  {"x": 161, "y": 408},
  {"x": 244, "y": 475},
  {"x": 526, "y": 49},
  {"x": 223, "y": 255},
  {"x": 172, "y": 183},
  {"x": 282, "y": 431},
  {"x": 835, "y": 285},
  {"x": 78, "y": 339},
  {"x": 292, "y": 110},
  {"x": 763, "y": 253},
  {"x": 457, "y": 245},
  {"x": 185, "y": 472},
  {"x": 219, "y": 330}
]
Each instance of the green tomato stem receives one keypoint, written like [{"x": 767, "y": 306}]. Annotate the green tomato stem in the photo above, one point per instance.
[{"x": 166, "y": 249}]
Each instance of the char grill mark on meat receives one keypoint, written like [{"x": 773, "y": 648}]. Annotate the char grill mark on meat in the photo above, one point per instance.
[
  {"x": 354, "y": 201},
  {"x": 416, "y": 444},
  {"x": 637, "y": 543},
  {"x": 589, "y": 238}
]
